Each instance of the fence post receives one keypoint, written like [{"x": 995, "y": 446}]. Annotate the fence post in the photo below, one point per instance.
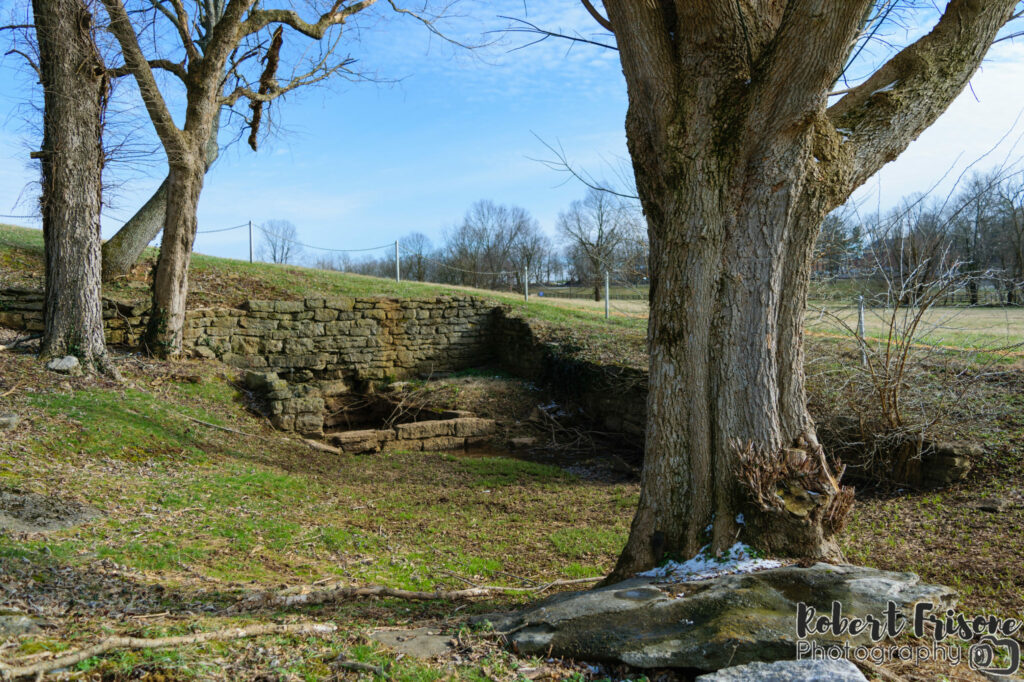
[
  {"x": 250, "y": 241},
  {"x": 607, "y": 291},
  {"x": 398, "y": 266},
  {"x": 526, "y": 284},
  {"x": 860, "y": 332}
]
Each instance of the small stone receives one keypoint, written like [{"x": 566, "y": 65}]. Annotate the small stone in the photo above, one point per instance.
[
  {"x": 8, "y": 421},
  {"x": 66, "y": 365},
  {"x": 524, "y": 442},
  {"x": 992, "y": 504},
  {"x": 789, "y": 671}
]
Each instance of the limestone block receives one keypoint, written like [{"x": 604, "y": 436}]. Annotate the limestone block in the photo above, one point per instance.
[
  {"x": 342, "y": 303},
  {"x": 427, "y": 429},
  {"x": 310, "y": 423},
  {"x": 289, "y": 306},
  {"x": 407, "y": 445},
  {"x": 443, "y": 444},
  {"x": 284, "y": 422}
]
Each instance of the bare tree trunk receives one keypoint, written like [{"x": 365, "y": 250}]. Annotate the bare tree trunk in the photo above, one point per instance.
[
  {"x": 122, "y": 251},
  {"x": 75, "y": 92},
  {"x": 170, "y": 281}
]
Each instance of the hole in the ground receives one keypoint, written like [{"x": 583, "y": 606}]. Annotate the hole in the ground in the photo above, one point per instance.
[{"x": 483, "y": 413}]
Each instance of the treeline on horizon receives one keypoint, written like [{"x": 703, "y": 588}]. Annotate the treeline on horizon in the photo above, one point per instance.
[{"x": 976, "y": 231}]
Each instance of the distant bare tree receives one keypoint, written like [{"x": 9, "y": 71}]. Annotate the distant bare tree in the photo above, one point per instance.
[
  {"x": 529, "y": 251},
  {"x": 280, "y": 242},
  {"x": 594, "y": 228},
  {"x": 415, "y": 247},
  {"x": 1011, "y": 196},
  {"x": 479, "y": 251}
]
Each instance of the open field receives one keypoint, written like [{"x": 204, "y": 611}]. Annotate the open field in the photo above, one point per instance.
[{"x": 981, "y": 328}]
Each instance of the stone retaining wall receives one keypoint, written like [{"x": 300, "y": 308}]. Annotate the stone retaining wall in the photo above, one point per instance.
[
  {"x": 614, "y": 397},
  {"x": 23, "y": 309},
  {"x": 309, "y": 350}
]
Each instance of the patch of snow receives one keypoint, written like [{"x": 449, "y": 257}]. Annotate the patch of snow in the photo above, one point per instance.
[{"x": 737, "y": 559}]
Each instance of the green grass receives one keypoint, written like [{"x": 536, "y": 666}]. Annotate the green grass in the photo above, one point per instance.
[{"x": 207, "y": 514}]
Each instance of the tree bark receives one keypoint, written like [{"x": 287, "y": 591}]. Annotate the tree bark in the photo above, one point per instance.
[
  {"x": 122, "y": 251},
  {"x": 170, "y": 280},
  {"x": 75, "y": 92}
]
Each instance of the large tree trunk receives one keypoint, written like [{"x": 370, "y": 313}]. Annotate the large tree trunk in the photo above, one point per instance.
[
  {"x": 122, "y": 251},
  {"x": 726, "y": 411},
  {"x": 738, "y": 156},
  {"x": 75, "y": 92},
  {"x": 170, "y": 281}
]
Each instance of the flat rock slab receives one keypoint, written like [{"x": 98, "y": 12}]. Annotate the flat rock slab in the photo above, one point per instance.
[
  {"x": 424, "y": 643},
  {"x": 13, "y": 624},
  {"x": 26, "y": 512},
  {"x": 709, "y": 624},
  {"x": 789, "y": 671}
]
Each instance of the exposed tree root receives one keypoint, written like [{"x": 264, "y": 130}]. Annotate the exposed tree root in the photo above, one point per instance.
[
  {"x": 307, "y": 596},
  {"x": 13, "y": 672}
]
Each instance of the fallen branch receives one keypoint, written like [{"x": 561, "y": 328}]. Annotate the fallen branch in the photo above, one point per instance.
[
  {"x": 322, "y": 447},
  {"x": 223, "y": 428},
  {"x": 12, "y": 672},
  {"x": 360, "y": 667},
  {"x": 308, "y": 597}
]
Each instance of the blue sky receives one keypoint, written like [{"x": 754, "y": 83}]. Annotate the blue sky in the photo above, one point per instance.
[{"x": 360, "y": 164}]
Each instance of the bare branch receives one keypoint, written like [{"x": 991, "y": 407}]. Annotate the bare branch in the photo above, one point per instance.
[
  {"x": 429, "y": 23},
  {"x": 882, "y": 115},
  {"x": 259, "y": 19},
  {"x": 182, "y": 25},
  {"x": 121, "y": 27},
  {"x": 178, "y": 69},
  {"x": 598, "y": 17},
  {"x": 528, "y": 27},
  {"x": 561, "y": 164},
  {"x": 273, "y": 91},
  {"x": 35, "y": 67}
]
